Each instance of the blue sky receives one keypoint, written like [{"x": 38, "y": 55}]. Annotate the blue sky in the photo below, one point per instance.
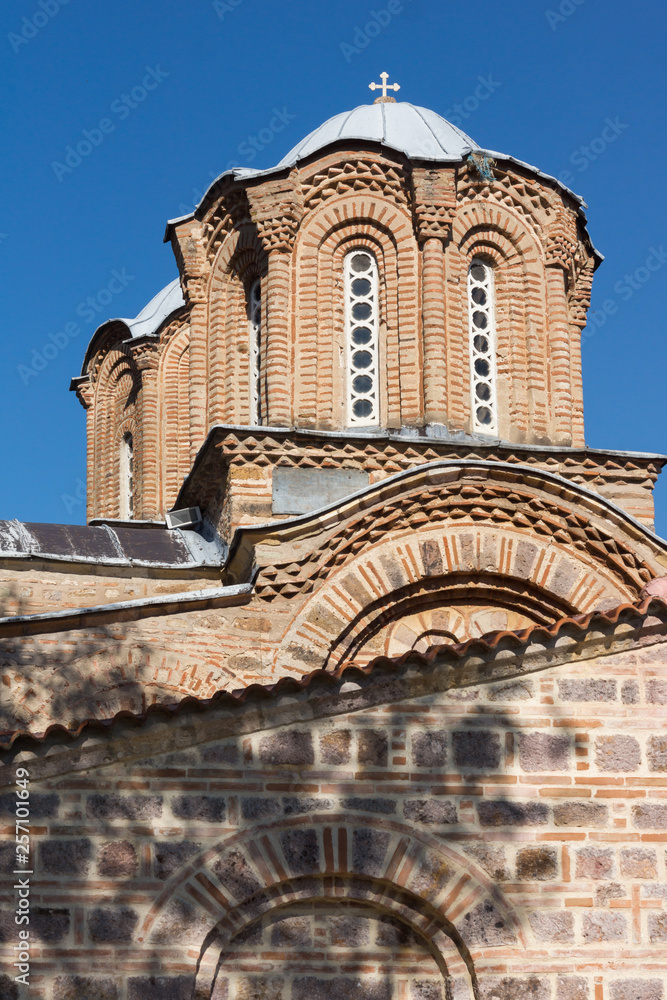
[{"x": 171, "y": 94}]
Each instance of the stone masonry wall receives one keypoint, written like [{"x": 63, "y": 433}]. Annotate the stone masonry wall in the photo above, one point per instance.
[{"x": 519, "y": 825}]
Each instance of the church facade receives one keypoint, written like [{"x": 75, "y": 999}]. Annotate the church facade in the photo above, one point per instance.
[{"x": 353, "y": 684}]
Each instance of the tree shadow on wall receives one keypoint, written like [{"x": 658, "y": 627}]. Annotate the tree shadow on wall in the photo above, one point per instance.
[
  {"x": 444, "y": 769},
  {"x": 63, "y": 677}
]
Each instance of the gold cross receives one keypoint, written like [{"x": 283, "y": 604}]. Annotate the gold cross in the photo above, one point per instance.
[{"x": 384, "y": 86}]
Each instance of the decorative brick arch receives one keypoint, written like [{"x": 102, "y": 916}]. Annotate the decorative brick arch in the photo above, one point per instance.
[
  {"x": 174, "y": 422},
  {"x": 386, "y": 230},
  {"x": 117, "y": 387},
  {"x": 489, "y": 536},
  {"x": 240, "y": 258},
  {"x": 374, "y": 862},
  {"x": 509, "y": 242}
]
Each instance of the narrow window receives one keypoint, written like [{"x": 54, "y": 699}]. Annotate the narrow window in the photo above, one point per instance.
[
  {"x": 361, "y": 331},
  {"x": 255, "y": 349},
  {"x": 126, "y": 478},
  {"x": 482, "y": 348}
]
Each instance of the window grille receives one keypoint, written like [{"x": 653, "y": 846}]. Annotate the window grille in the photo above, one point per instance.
[
  {"x": 481, "y": 311},
  {"x": 126, "y": 477},
  {"x": 361, "y": 329},
  {"x": 255, "y": 349}
]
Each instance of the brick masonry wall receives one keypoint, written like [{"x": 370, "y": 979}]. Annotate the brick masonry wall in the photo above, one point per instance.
[
  {"x": 424, "y": 228},
  {"x": 338, "y": 857}
]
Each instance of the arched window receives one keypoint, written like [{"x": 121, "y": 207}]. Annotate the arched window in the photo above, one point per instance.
[
  {"x": 126, "y": 478},
  {"x": 482, "y": 319},
  {"x": 255, "y": 349},
  {"x": 361, "y": 334}
]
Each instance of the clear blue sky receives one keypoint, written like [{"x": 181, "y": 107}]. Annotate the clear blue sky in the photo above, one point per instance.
[{"x": 218, "y": 71}]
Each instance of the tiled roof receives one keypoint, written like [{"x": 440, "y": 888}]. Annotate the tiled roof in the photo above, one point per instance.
[{"x": 451, "y": 654}]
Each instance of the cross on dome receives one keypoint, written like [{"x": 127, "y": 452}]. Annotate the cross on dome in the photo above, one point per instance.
[{"x": 384, "y": 87}]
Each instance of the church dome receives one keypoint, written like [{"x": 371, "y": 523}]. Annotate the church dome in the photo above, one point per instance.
[{"x": 417, "y": 132}]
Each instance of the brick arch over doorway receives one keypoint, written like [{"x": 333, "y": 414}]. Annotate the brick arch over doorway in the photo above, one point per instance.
[{"x": 447, "y": 902}]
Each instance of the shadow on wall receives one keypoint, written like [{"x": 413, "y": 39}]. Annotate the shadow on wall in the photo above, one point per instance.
[
  {"x": 348, "y": 857},
  {"x": 59, "y": 664}
]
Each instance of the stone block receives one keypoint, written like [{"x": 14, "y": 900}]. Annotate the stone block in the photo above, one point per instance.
[
  {"x": 117, "y": 859},
  {"x": 292, "y": 932},
  {"x": 637, "y": 989},
  {"x": 536, "y": 864},
  {"x": 519, "y": 690},
  {"x": 630, "y": 693},
  {"x": 349, "y": 932},
  {"x": 335, "y": 746},
  {"x": 290, "y": 747},
  {"x": 500, "y": 812},
  {"x": 84, "y": 988},
  {"x": 491, "y": 859},
  {"x": 160, "y": 988},
  {"x": 544, "y": 752},
  {"x": 583, "y": 689},
  {"x": 572, "y": 988},
  {"x": 657, "y": 928},
  {"x": 476, "y": 748},
  {"x": 580, "y": 813},
  {"x": 429, "y": 876},
  {"x": 206, "y": 808},
  {"x": 637, "y": 862},
  {"x": 369, "y": 848},
  {"x": 617, "y": 753},
  {"x": 370, "y": 804},
  {"x": 553, "y": 926},
  {"x": 656, "y": 691},
  {"x": 514, "y": 988},
  {"x": 50, "y": 925},
  {"x": 256, "y": 808},
  {"x": 65, "y": 857},
  {"x": 42, "y": 805},
  {"x": 293, "y": 806},
  {"x": 260, "y": 988},
  {"x": 302, "y": 851},
  {"x": 650, "y": 816},
  {"x": 656, "y": 751},
  {"x": 169, "y": 857},
  {"x": 109, "y": 806},
  {"x": 236, "y": 875},
  {"x": 595, "y": 863},
  {"x": 112, "y": 925},
  {"x": 604, "y": 925},
  {"x": 226, "y": 753},
  {"x": 426, "y": 990},
  {"x": 342, "y": 988},
  {"x": 391, "y": 933},
  {"x": 485, "y": 926},
  {"x": 429, "y": 749},
  {"x": 298, "y": 491},
  {"x": 373, "y": 748},
  {"x": 9, "y": 989},
  {"x": 430, "y": 811}
]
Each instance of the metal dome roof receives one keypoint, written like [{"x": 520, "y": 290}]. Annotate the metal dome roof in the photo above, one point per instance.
[{"x": 418, "y": 132}]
